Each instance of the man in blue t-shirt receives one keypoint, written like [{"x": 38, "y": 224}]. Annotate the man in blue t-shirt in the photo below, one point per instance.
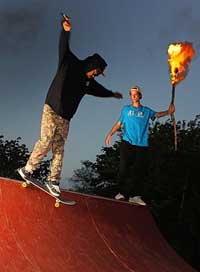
[{"x": 133, "y": 150}]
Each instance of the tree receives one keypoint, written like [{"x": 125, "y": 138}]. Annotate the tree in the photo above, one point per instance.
[
  {"x": 85, "y": 178},
  {"x": 100, "y": 177},
  {"x": 14, "y": 155}
]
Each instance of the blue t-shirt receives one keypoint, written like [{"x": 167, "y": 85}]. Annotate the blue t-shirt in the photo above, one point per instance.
[{"x": 135, "y": 122}]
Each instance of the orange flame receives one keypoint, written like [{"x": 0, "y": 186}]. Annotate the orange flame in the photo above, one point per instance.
[{"x": 179, "y": 58}]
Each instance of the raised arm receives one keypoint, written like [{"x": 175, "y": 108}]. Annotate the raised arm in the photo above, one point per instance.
[{"x": 64, "y": 40}]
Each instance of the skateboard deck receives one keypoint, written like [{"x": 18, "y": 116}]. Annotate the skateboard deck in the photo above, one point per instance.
[{"x": 59, "y": 199}]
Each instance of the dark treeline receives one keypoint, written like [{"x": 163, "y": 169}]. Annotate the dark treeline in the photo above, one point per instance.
[{"x": 14, "y": 155}]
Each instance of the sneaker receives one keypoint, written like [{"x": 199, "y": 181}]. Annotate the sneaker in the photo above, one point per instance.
[
  {"x": 25, "y": 174},
  {"x": 137, "y": 200},
  {"x": 56, "y": 186},
  {"x": 53, "y": 187},
  {"x": 119, "y": 197}
]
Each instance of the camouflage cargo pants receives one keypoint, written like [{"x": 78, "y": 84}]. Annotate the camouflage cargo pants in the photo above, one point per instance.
[{"x": 54, "y": 131}]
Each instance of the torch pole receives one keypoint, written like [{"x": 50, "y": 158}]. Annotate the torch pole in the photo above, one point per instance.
[{"x": 173, "y": 118}]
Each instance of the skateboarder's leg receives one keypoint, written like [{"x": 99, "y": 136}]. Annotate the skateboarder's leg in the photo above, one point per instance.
[
  {"x": 44, "y": 144},
  {"x": 60, "y": 137}
]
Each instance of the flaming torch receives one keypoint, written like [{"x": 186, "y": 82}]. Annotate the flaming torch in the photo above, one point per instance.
[{"x": 179, "y": 58}]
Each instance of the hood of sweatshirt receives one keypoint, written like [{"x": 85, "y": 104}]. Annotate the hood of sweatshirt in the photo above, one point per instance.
[{"x": 93, "y": 62}]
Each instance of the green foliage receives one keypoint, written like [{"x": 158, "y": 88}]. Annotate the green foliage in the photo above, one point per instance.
[
  {"x": 14, "y": 155},
  {"x": 85, "y": 178},
  {"x": 98, "y": 178}
]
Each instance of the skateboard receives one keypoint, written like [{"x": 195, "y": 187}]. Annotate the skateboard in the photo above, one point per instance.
[{"x": 59, "y": 199}]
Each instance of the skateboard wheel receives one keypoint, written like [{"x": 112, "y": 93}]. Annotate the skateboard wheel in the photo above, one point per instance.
[
  {"x": 57, "y": 204},
  {"x": 24, "y": 185}
]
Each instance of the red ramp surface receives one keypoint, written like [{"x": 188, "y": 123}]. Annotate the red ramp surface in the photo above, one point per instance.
[{"x": 95, "y": 235}]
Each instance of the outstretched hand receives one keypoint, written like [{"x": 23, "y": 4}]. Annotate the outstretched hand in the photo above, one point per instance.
[{"x": 118, "y": 95}]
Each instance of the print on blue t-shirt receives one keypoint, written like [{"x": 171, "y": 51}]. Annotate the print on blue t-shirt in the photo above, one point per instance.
[{"x": 135, "y": 122}]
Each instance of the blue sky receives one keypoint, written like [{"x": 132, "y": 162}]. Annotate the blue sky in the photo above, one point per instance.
[{"x": 132, "y": 36}]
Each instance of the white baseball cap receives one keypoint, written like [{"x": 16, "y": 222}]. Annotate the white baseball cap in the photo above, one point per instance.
[{"x": 137, "y": 88}]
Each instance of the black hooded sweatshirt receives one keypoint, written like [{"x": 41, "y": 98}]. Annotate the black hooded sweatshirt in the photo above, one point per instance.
[{"x": 70, "y": 83}]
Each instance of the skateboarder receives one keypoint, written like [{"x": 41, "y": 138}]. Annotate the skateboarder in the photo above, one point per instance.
[
  {"x": 74, "y": 79},
  {"x": 134, "y": 146}
]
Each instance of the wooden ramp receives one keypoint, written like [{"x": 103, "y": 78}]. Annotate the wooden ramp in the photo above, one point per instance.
[{"x": 95, "y": 235}]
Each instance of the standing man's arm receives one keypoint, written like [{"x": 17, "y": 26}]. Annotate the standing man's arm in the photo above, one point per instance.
[
  {"x": 64, "y": 40},
  {"x": 113, "y": 130},
  {"x": 170, "y": 110}
]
